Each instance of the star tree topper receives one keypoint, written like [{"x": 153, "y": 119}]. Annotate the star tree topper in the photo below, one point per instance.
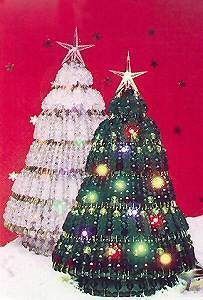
[
  {"x": 74, "y": 50},
  {"x": 127, "y": 77}
]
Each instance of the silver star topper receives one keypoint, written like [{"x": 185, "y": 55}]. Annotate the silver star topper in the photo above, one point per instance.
[
  {"x": 127, "y": 77},
  {"x": 74, "y": 50}
]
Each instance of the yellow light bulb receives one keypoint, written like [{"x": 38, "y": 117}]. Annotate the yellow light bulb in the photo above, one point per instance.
[
  {"x": 166, "y": 259},
  {"x": 102, "y": 170},
  {"x": 158, "y": 182}
]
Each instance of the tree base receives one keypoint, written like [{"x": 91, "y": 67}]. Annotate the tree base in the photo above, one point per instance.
[{"x": 113, "y": 288}]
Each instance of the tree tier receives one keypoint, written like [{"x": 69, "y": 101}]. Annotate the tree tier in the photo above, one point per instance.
[
  {"x": 58, "y": 125},
  {"x": 59, "y": 157},
  {"x": 47, "y": 186},
  {"x": 124, "y": 288},
  {"x": 78, "y": 99},
  {"x": 73, "y": 73},
  {"x": 124, "y": 258}
]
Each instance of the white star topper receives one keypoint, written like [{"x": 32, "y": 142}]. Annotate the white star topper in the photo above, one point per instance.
[
  {"x": 127, "y": 77},
  {"x": 74, "y": 50}
]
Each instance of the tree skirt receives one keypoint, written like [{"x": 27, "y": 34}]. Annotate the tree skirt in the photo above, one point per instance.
[{"x": 26, "y": 276}]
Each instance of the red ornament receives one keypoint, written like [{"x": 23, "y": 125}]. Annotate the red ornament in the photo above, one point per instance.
[
  {"x": 157, "y": 221},
  {"x": 131, "y": 131},
  {"x": 114, "y": 252}
]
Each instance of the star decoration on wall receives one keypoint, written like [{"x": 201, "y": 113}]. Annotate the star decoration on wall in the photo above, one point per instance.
[
  {"x": 9, "y": 67},
  {"x": 127, "y": 77},
  {"x": 177, "y": 130},
  {"x": 74, "y": 50},
  {"x": 151, "y": 31},
  {"x": 13, "y": 176},
  {"x": 154, "y": 64},
  {"x": 48, "y": 43},
  {"x": 97, "y": 36},
  {"x": 182, "y": 83},
  {"x": 33, "y": 120}
]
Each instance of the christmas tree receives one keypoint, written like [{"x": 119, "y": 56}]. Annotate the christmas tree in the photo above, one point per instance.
[
  {"x": 126, "y": 236},
  {"x": 47, "y": 187}
]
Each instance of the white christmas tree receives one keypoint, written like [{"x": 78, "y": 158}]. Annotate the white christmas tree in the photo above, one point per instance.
[{"x": 46, "y": 188}]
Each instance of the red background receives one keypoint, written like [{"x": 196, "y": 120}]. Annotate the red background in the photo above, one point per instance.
[{"x": 166, "y": 33}]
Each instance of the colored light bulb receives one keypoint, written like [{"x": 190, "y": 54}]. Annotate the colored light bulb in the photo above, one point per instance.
[
  {"x": 141, "y": 249},
  {"x": 166, "y": 259},
  {"x": 84, "y": 233},
  {"x": 92, "y": 197},
  {"x": 113, "y": 252},
  {"x": 131, "y": 131},
  {"x": 157, "y": 182},
  {"x": 120, "y": 185},
  {"x": 102, "y": 170}
]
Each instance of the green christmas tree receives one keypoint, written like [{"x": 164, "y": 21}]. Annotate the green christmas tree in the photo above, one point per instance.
[{"x": 126, "y": 236}]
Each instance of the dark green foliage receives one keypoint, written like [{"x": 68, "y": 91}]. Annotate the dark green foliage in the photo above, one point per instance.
[{"x": 126, "y": 236}]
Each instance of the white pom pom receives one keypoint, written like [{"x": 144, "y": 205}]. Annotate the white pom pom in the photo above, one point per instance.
[
  {"x": 72, "y": 74},
  {"x": 78, "y": 98}
]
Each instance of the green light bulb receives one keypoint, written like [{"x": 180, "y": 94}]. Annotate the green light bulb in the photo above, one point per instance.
[
  {"x": 120, "y": 185},
  {"x": 141, "y": 249},
  {"x": 92, "y": 197}
]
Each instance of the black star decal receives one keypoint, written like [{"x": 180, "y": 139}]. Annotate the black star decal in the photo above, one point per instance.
[
  {"x": 48, "y": 43},
  {"x": 154, "y": 64},
  {"x": 97, "y": 36},
  {"x": 9, "y": 67},
  {"x": 151, "y": 31},
  {"x": 181, "y": 83},
  {"x": 177, "y": 130}
]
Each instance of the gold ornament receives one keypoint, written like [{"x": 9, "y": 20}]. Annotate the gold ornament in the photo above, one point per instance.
[
  {"x": 103, "y": 211},
  {"x": 91, "y": 210},
  {"x": 160, "y": 251},
  {"x": 116, "y": 213},
  {"x": 114, "y": 200},
  {"x": 87, "y": 250}
]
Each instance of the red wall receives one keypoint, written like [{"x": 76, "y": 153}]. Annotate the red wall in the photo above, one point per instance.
[{"x": 167, "y": 32}]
